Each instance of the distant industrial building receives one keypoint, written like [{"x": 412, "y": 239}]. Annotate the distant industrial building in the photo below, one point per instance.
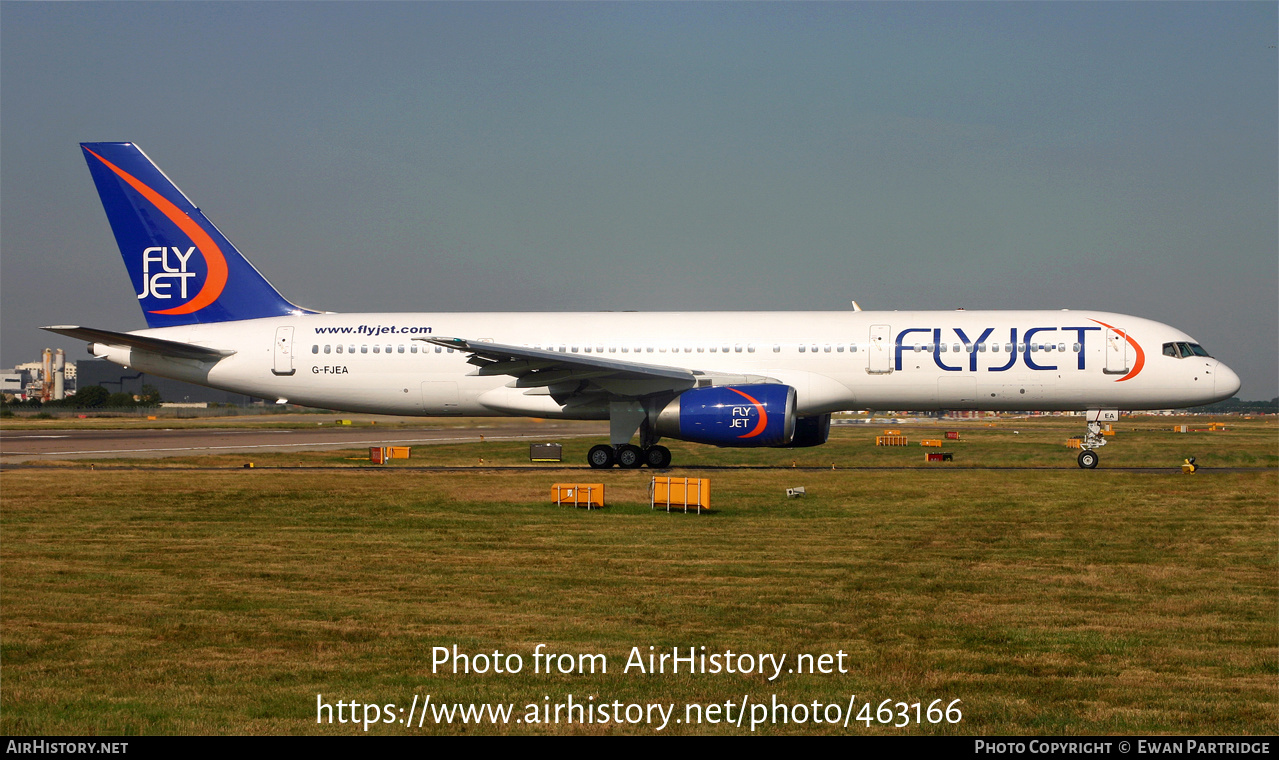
[{"x": 117, "y": 379}]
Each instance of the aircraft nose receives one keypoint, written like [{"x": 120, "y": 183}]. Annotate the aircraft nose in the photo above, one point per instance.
[{"x": 1226, "y": 382}]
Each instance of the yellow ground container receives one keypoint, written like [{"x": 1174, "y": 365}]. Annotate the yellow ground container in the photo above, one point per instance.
[
  {"x": 680, "y": 493},
  {"x": 892, "y": 432},
  {"x": 1216, "y": 426},
  {"x": 399, "y": 452},
  {"x": 1181, "y": 428},
  {"x": 890, "y": 440},
  {"x": 934, "y": 443},
  {"x": 1073, "y": 443},
  {"x": 589, "y": 495}
]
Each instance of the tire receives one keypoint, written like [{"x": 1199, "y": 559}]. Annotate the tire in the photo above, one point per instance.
[
  {"x": 658, "y": 457},
  {"x": 600, "y": 457},
  {"x": 630, "y": 457},
  {"x": 1088, "y": 459}
]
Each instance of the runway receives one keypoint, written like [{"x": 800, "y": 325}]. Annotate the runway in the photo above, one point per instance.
[{"x": 17, "y": 446}]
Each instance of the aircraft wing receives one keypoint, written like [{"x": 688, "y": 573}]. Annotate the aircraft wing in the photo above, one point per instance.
[
  {"x": 539, "y": 368},
  {"x": 159, "y": 346}
]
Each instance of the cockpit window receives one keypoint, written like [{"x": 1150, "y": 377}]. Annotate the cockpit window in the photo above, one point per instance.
[{"x": 1182, "y": 350}]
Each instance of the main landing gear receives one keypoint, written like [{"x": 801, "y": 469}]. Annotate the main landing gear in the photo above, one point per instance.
[{"x": 628, "y": 456}]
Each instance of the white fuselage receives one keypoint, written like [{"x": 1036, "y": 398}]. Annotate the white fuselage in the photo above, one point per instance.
[{"x": 907, "y": 360}]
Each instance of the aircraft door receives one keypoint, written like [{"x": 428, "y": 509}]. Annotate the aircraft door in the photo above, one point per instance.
[
  {"x": 283, "y": 351},
  {"x": 880, "y": 351},
  {"x": 1118, "y": 353}
]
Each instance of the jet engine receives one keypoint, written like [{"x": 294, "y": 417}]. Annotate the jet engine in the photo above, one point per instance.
[{"x": 731, "y": 415}]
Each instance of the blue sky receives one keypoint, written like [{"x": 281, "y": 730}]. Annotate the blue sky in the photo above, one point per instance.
[{"x": 664, "y": 156}]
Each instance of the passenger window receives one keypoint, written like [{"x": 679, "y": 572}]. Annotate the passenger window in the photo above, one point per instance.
[
  {"x": 364, "y": 349},
  {"x": 438, "y": 349},
  {"x": 826, "y": 348},
  {"x": 315, "y": 349},
  {"x": 738, "y": 348},
  {"x": 750, "y": 348},
  {"x": 801, "y": 348},
  {"x": 1077, "y": 348},
  {"x": 839, "y": 348},
  {"x": 852, "y": 347},
  {"x": 377, "y": 349},
  {"x": 399, "y": 349},
  {"x": 327, "y": 349},
  {"x": 339, "y": 349},
  {"x": 777, "y": 349},
  {"x": 413, "y": 349}
]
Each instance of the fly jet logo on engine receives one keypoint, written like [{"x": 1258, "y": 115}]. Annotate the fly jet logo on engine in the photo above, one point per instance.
[{"x": 741, "y": 415}]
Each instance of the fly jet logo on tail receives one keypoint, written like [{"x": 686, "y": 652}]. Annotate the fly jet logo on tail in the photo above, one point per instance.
[
  {"x": 157, "y": 285},
  {"x": 173, "y": 253}
]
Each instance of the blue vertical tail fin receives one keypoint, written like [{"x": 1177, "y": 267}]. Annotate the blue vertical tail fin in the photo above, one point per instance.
[{"x": 184, "y": 270}]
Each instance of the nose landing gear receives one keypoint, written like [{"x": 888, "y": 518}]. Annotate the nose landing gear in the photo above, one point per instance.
[{"x": 1094, "y": 439}]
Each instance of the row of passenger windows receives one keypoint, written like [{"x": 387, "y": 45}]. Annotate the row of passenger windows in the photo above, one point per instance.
[
  {"x": 738, "y": 348},
  {"x": 331, "y": 349},
  {"x": 993, "y": 347}
]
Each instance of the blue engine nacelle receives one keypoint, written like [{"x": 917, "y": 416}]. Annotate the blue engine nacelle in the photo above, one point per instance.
[{"x": 731, "y": 415}]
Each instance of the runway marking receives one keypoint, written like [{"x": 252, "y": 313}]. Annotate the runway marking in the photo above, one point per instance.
[{"x": 338, "y": 444}]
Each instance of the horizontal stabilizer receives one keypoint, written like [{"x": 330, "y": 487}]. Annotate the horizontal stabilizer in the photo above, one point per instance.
[{"x": 155, "y": 345}]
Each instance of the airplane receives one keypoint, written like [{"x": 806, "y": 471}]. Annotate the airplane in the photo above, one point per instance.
[{"x": 731, "y": 379}]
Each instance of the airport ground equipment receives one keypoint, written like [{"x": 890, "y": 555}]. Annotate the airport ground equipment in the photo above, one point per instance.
[
  {"x": 890, "y": 440},
  {"x": 939, "y": 456},
  {"x": 545, "y": 452},
  {"x": 680, "y": 492},
  {"x": 589, "y": 495}
]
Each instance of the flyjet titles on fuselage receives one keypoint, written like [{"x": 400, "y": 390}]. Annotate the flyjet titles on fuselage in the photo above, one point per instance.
[{"x": 955, "y": 350}]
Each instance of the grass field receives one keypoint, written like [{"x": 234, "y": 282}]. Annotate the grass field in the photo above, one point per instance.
[{"x": 1050, "y": 600}]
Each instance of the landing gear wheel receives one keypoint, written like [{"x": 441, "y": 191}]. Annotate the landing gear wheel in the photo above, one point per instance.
[
  {"x": 600, "y": 457},
  {"x": 630, "y": 456},
  {"x": 1088, "y": 459},
  {"x": 658, "y": 457}
]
